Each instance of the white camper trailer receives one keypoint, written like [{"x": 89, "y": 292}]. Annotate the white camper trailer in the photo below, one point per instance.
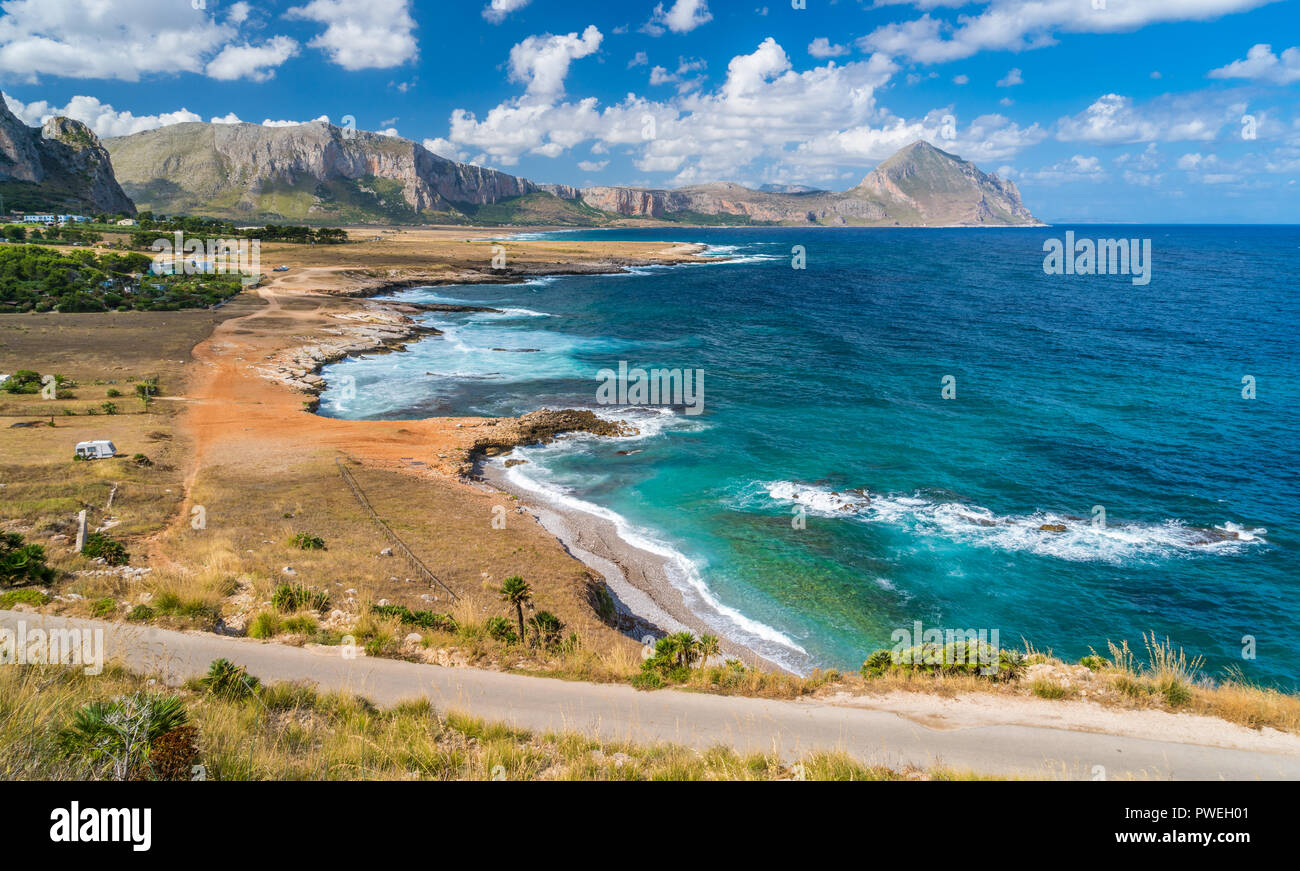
[{"x": 96, "y": 450}]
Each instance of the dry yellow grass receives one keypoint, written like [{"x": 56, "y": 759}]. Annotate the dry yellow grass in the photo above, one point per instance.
[{"x": 289, "y": 732}]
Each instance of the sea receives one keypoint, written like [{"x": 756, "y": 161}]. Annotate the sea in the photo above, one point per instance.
[{"x": 894, "y": 427}]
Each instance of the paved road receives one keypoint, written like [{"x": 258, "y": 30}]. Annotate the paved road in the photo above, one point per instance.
[{"x": 692, "y": 719}]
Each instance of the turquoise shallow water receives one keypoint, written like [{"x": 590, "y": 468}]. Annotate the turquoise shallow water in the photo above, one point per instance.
[{"x": 1071, "y": 392}]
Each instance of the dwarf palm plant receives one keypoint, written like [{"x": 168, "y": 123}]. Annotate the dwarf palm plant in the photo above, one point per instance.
[
  {"x": 230, "y": 681},
  {"x": 515, "y": 591},
  {"x": 685, "y": 648},
  {"x": 120, "y": 732},
  {"x": 708, "y": 646},
  {"x": 546, "y": 628}
]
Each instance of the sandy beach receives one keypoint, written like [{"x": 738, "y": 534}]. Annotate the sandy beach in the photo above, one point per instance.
[{"x": 648, "y": 600}]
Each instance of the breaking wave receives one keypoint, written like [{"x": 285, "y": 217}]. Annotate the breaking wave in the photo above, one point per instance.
[{"x": 1045, "y": 533}]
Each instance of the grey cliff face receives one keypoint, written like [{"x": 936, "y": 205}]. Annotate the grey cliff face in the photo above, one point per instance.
[
  {"x": 60, "y": 166},
  {"x": 241, "y": 164}
]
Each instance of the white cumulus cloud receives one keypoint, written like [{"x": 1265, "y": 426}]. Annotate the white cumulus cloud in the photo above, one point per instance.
[
  {"x": 362, "y": 34},
  {"x": 542, "y": 62},
  {"x": 821, "y": 47},
  {"x": 1261, "y": 64},
  {"x": 99, "y": 117},
  {"x": 255, "y": 62},
  {"x": 497, "y": 10},
  {"x": 443, "y": 148},
  {"x": 682, "y": 17},
  {"x": 1115, "y": 119},
  {"x": 126, "y": 40},
  {"x": 1018, "y": 25}
]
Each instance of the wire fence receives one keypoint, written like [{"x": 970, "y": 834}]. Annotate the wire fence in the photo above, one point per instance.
[{"x": 420, "y": 568}]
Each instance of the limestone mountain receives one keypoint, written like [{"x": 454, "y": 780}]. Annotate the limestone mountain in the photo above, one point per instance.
[
  {"x": 59, "y": 167},
  {"x": 314, "y": 172},
  {"x": 919, "y": 185},
  {"x": 319, "y": 173}
]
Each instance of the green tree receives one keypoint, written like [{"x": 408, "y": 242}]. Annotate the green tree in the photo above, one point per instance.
[
  {"x": 684, "y": 647},
  {"x": 708, "y": 646},
  {"x": 515, "y": 591}
]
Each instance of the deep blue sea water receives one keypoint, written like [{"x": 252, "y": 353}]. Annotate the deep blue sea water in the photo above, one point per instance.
[{"x": 1071, "y": 392}]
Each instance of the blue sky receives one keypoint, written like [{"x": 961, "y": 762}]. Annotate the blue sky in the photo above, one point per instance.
[{"x": 1131, "y": 110}]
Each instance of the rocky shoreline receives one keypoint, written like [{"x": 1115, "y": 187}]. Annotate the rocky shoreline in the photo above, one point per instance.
[
  {"x": 382, "y": 326},
  {"x": 648, "y": 602}
]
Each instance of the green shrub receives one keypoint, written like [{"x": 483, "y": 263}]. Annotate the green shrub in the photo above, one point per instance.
[
  {"x": 1046, "y": 689},
  {"x": 647, "y": 680},
  {"x": 265, "y": 625},
  {"x": 168, "y": 603},
  {"x": 1095, "y": 662},
  {"x": 1133, "y": 687},
  {"x": 1175, "y": 693},
  {"x": 288, "y": 598},
  {"x": 99, "y": 545},
  {"x": 141, "y": 614},
  {"x": 956, "y": 657},
  {"x": 307, "y": 541},
  {"x": 546, "y": 629},
  {"x": 229, "y": 681},
  {"x": 105, "y": 607},
  {"x": 108, "y": 407},
  {"x": 116, "y": 736},
  {"x": 423, "y": 619},
  {"x": 604, "y": 604},
  {"x": 500, "y": 629},
  {"x": 301, "y": 625},
  {"x": 35, "y": 598},
  {"x": 23, "y": 381},
  {"x": 112, "y": 393},
  {"x": 22, "y": 563},
  {"x": 879, "y": 662}
]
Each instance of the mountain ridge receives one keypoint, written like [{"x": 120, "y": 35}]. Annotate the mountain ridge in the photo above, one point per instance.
[
  {"x": 919, "y": 185},
  {"x": 313, "y": 170},
  {"x": 317, "y": 172}
]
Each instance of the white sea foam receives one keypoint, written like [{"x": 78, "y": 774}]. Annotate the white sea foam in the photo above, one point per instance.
[
  {"x": 1044, "y": 533},
  {"x": 685, "y": 574},
  {"x": 650, "y": 421},
  {"x": 513, "y": 312}
]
